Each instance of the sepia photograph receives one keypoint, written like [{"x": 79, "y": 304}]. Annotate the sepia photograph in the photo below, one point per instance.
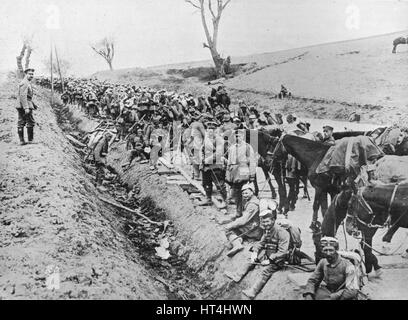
[{"x": 211, "y": 151}]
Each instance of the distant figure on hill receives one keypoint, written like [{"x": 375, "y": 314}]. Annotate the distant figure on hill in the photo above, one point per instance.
[
  {"x": 396, "y": 42},
  {"x": 284, "y": 93}
]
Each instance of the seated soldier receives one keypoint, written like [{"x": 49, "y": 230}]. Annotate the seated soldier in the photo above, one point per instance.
[
  {"x": 270, "y": 252},
  {"x": 246, "y": 225},
  {"x": 337, "y": 273}
]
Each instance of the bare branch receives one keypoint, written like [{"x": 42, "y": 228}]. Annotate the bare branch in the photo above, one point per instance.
[
  {"x": 193, "y": 4},
  {"x": 211, "y": 10},
  {"x": 105, "y": 48},
  {"x": 226, "y": 3},
  {"x": 28, "y": 55},
  {"x": 206, "y": 45}
]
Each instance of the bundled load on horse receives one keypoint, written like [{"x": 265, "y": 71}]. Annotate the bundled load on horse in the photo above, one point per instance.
[
  {"x": 349, "y": 154},
  {"x": 391, "y": 169}
]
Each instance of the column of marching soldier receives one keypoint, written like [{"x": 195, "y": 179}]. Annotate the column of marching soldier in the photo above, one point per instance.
[{"x": 212, "y": 132}]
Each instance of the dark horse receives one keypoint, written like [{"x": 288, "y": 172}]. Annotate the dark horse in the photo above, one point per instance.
[
  {"x": 310, "y": 154},
  {"x": 333, "y": 218},
  {"x": 372, "y": 207},
  {"x": 396, "y": 42},
  {"x": 264, "y": 142}
]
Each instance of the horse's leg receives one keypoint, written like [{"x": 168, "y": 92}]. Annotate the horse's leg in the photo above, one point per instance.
[
  {"x": 316, "y": 206},
  {"x": 390, "y": 233},
  {"x": 283, "y": 201},
  {"x": 371, "y": 260},
  {"x": 291, "y": 193},
  {"x": 394, "y": 49},
  {"x": 323, "y": 202},
  {"x": 269, "y": 180},
  {"x": 305, "y": 191}
]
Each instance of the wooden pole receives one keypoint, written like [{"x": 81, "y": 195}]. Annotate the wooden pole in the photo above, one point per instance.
[
  {"x": 59, "y": 68},
  {"x": 52, "y": 78},
  {"x": 130, "y": 210}
]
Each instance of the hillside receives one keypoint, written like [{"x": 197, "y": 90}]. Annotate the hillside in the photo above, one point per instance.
[
  {"x": 328, "y": 80},
  {"x": 53, "y": 223}
]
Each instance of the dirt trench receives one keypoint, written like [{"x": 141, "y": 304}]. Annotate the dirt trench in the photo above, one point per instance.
[
  {"x": 52, "y": 222},
  {"x": 198, "y": 244}
]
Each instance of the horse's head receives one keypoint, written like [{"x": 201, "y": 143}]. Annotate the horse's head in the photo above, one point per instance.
[
  {"x": 277, "y": 154},
  {"x": 359, "y": 212}
]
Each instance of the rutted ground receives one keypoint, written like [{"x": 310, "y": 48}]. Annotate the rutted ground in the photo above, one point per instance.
[{"x": 50, "y": 216}]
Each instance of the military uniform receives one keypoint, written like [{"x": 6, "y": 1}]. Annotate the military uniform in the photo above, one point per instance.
[
  {"x": 273, "y": 247},
  {"x": 24, "y": 102},
  {"x": 248, "y": 223},
  {"x": 242, "y": 165},
  {"x": 213, "y": 166},
  {"x": 339, "y": 281},
  {"x": 100, "y": 152}
]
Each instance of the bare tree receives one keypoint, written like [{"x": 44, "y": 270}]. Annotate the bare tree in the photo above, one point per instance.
[
  {"x": 106, "y": 49},
  {"x": 26, "y": 51},
  {"x": 211, "y": 44}
]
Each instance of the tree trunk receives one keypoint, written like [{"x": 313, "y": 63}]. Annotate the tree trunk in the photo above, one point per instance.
[
  {"x": 218, "y": 62},
  {"x": 27, "y": 59},
  {"x": 110, "y": 65},
  {"x": 20, "y": 70}
]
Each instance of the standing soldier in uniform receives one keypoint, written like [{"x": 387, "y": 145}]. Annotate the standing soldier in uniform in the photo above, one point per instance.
[
  {"x": 241, "y": 167},
  {"x": 213, "y": 164},
  {"x": 25, "y": 107},
  {"x": 100, "y": 152}
]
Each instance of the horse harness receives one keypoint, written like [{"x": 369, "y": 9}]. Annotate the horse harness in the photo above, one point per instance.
[{"x": 364, "y": 203}]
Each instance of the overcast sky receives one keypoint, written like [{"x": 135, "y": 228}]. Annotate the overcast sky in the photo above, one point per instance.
[{"x": 155, "y": 32}]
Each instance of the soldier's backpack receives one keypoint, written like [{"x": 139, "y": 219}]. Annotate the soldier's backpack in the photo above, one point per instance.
[{"x": 358, "y": 263}]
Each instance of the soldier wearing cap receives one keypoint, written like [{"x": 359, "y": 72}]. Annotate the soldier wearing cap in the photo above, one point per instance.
[
  {"x": 25, "y": 107},
  {"x": 328, "y": 136},
  {"x": 337, "y": 273},
  {"x": 241, "y": 167},
  {"x": 270, "y": 252},
  {"x": 214, "y": 162},
  {"x": 195, "y": 143},
  {"x": 246, "y": 226}
]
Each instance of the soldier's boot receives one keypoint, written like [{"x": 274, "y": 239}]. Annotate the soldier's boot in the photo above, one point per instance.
[
  {"x": 256, "y": 288},
  {"x": 21, "y": 136},
  {"x": 236, "y": 247},
  {"x": 30, "y": 134}
]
